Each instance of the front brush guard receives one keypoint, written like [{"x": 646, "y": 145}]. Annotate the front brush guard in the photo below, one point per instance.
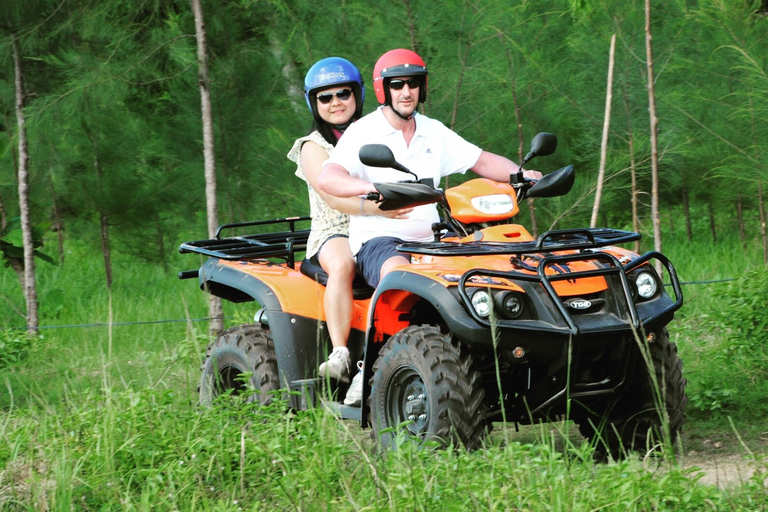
[
  {"x": 538, "y": 404},
  {"x": 568, "y": 326}
]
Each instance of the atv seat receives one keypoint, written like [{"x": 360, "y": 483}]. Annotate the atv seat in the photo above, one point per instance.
[{"x": 360, "y": 289}]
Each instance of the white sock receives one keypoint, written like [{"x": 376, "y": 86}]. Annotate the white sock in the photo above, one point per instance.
[{"x": 342, "y": 349}]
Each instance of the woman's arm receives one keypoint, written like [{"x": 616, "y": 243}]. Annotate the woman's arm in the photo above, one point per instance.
[{"x": 312, "y": 158}]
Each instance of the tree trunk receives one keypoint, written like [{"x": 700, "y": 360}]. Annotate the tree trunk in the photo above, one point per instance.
[
  {"x": 160, "y": 243},
  {"x": 30, "y": 290},
  {"x": 740, "y": 220},
  {"x": 534, "y": 229},
  {"x": 712, "y": 229},
  {"x": 687, "y": 214},
  {"x": 464, "y": 57},
  {"x": 760, "y": 202},
  {"x": 3, "y": 215},
  {"x": 632, "y": 168},
  {"x": 763, "y": 233},
  {"x": 654, "y": 126},
  {"x": 58, "y": 225},
  {"x": 215, "y": 309},
  {"x": 106, "y": 251},
  {"x": 606, "y": 129}
]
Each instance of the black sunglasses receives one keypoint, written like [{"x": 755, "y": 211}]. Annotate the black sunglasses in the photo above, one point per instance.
[
  {"x": 413, "y": 83},
  {"x": 326, "y": 97}
]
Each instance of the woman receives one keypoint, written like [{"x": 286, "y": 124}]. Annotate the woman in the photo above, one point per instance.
[{"x": 335, "y": 93}]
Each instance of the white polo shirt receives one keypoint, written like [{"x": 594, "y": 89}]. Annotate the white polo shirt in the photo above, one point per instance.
[{"x": 435, "y": 151}]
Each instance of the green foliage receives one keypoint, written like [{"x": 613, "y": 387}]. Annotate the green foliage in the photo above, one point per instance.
[
  {"x": 730, "y": 376},
  {"x": 711, "y": 394},
  {"x": 104, "y": 417},
  {"x": 118, "y": 448},
  {"x": 747, "y": 324},
  {"x": 114, "y": 105},
  {"x": 14, "y": 346},
  {"x": 12, "y": 242},
  {"x": 85, "y": 429}
]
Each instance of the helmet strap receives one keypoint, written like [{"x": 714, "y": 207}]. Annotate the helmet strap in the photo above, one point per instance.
[
  {"x": 401, "y": 116},
  {"x": 344, "y": 126},
  {"x": 338, "y": 131}
]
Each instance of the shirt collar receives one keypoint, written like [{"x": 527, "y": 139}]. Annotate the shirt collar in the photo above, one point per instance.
[{"x": 391, "y": 129}]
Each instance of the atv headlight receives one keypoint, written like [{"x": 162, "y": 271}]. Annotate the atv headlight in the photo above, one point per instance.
[
  {"x": 495, "y": 204},
  {"x": 646, "y": 285},
  {"x": 510, "y": 304},
  {"x": 482, "y": 303}
]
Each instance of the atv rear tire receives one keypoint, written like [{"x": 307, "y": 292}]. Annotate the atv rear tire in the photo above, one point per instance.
[
  {"x": 633, "y": 423},
  {"x": 241, "y": 359},
  {"x": 424, "y": 377}
]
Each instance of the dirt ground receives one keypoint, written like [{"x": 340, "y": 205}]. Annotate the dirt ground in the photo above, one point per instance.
[
  {"x": 724, "y": 461},
  {"x": 724, "y": 470},
  {"x": 727, "y": 461}
]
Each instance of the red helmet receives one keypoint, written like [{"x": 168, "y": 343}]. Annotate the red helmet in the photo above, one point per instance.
[{"x": 394, "y": 63}]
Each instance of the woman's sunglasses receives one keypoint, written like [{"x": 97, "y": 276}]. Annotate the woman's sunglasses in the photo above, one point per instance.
[
  {"x": 326, "y": 97},
  {"x": 398, "y": 84}
]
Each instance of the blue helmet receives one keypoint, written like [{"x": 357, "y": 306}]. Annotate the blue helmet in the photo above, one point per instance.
[{"x": 329, "y": 72}]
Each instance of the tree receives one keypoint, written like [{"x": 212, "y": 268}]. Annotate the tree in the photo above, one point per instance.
[
  {"x": 606, "y": 129},
  {"x": 30, "y": 287},
  {"x": 655, "y": 213},
  {"x": 216, "y": 314}
]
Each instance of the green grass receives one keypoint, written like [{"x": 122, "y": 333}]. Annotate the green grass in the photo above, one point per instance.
[
  {"x": 105, "y": 418},
  {"x": 128, "y": 449}
]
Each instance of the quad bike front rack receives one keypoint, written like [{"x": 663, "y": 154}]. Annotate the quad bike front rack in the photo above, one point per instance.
[{"x": 555, "y": 240}]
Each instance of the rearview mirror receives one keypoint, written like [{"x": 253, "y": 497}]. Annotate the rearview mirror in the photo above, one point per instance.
[
  {"x": 543, "y": 144},
  {"x": 379, "y": 155}
]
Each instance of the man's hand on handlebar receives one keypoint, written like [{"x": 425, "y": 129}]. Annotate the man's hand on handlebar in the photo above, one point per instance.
[
  {"x": 532, "y": 175},
  {"x": 377, "y": 198},
  {"x": 525, "y": 179}
]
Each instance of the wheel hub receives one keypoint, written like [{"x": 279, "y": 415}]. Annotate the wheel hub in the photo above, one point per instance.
[
  {"x": 415, "y": 405},
  {"x": 408, "y": 401}
]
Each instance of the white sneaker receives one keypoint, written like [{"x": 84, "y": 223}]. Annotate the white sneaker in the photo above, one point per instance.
[
  {"x": 336, "y": 367},
  {"x": 355, "y": 392}
]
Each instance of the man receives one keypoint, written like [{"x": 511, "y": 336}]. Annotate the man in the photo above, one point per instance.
[{"x": 423, "y": 145}]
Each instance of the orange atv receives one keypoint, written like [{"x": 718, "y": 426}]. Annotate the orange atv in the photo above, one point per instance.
[{"x": 486, "y": 324}]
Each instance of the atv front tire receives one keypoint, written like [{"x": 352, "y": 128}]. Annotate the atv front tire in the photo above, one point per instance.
[
  {"x": 634, "y": 422},
  {"x": 424, "y": 378},
  {"x": 241, "y": 359}
]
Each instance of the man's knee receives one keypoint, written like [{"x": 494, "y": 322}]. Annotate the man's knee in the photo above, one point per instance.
[{"x": 391, "y": 263}]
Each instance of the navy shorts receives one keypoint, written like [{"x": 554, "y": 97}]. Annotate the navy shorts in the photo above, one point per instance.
[{"x": 373, "y": 254}]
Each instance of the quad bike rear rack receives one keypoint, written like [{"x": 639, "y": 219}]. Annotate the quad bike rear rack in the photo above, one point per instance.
[{"x": 280, "y": 244}]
